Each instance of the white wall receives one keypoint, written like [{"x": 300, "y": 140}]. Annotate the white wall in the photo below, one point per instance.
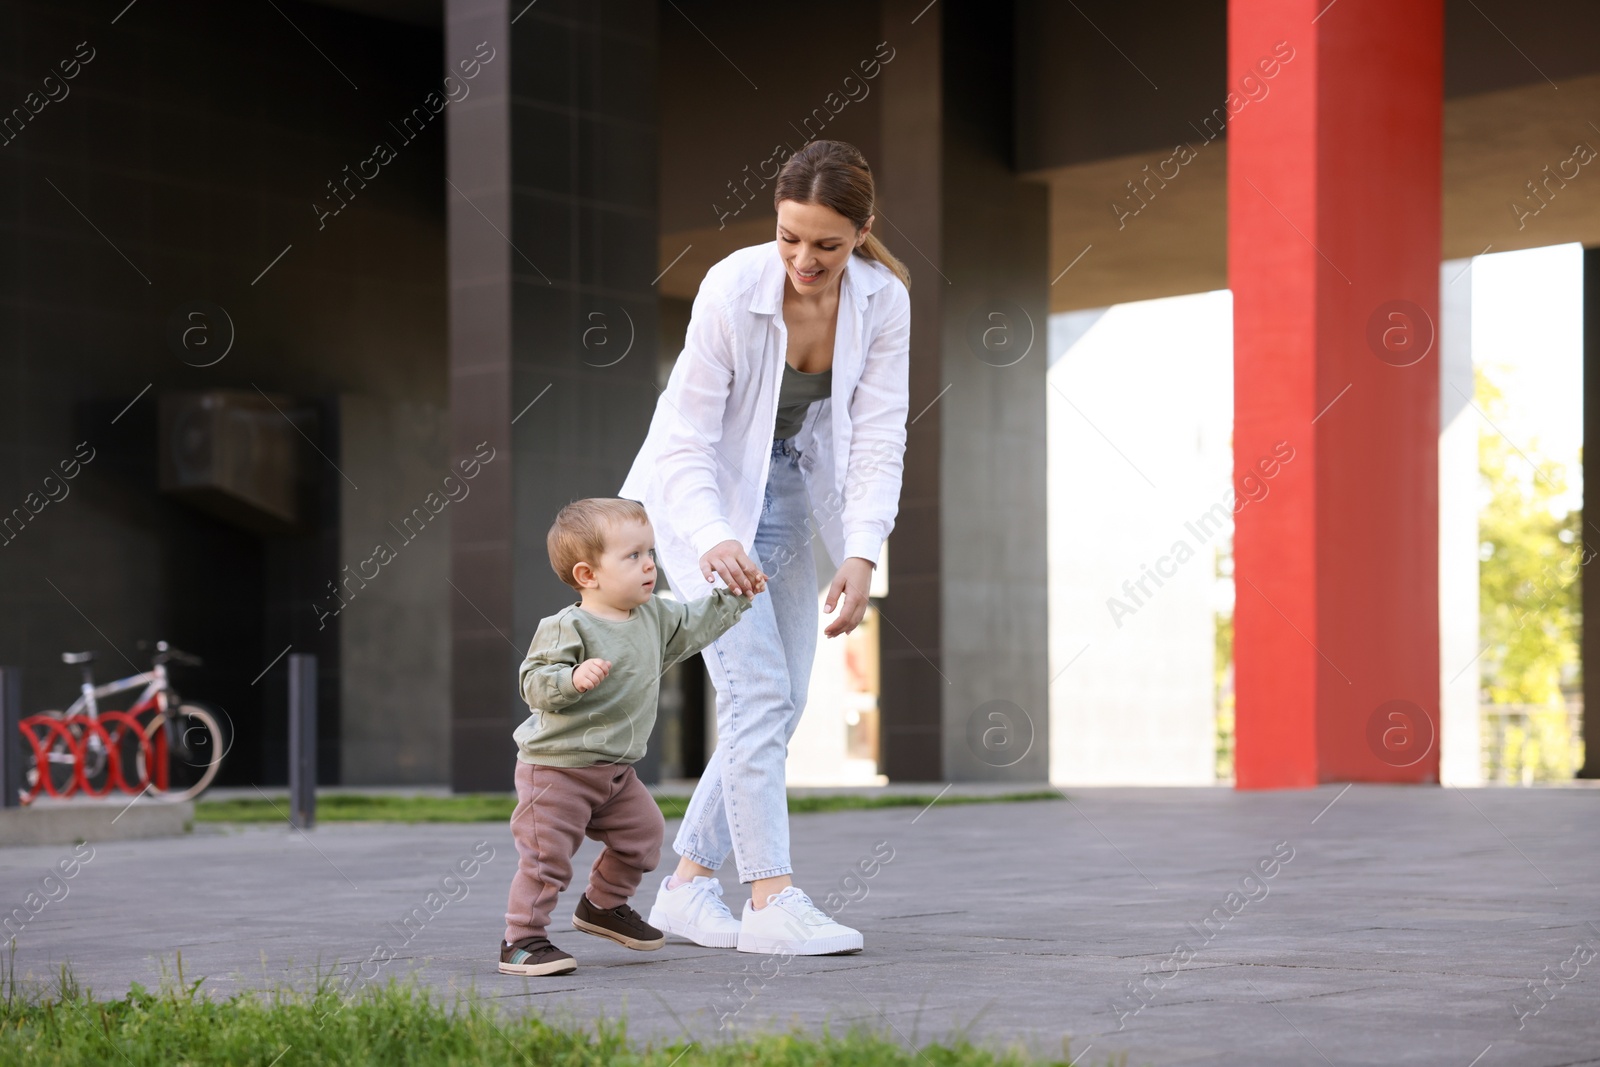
[
  {"x": 1139, "y": 420},
  {"x": 1459, "y": 667},
  {"x": 817, "y": 752}
]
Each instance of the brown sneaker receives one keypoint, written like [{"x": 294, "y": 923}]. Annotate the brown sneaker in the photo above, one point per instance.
[
  {"x": 533, "y": 956},
  {"x": 622, "y": 925}
]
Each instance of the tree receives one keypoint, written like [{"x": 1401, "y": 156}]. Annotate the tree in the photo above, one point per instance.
[
  {"x": 1530, "y": 556},
  {"x": 1531, "y": 550}
]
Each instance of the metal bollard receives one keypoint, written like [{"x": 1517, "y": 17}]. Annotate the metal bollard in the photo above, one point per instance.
[
  {"x": 302, "y": 740},
  {"x": 13, "y": 771}
]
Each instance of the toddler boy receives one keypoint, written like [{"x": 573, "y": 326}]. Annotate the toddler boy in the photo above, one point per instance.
[{"x": 591, "y": 679}]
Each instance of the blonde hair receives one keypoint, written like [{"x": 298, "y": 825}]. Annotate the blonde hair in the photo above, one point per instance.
[
  {"x": 835, "y": 174},
  {"x": 579, "y": 533}
]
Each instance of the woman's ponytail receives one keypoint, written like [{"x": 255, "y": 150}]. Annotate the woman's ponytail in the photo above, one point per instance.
[{"x": 874, "y": 249}]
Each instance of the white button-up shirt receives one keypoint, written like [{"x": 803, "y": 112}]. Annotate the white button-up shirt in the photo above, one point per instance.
[{"x": 702, "y": 470}]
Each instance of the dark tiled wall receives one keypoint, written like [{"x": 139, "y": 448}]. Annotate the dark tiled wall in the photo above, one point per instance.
[
  {"x": 966, "y": 620},
  {"x": 766, "y": 77},
  {"x": 554, "y": 306},
  {"x": 910, "y": 175},
  {"x": 1589, "y": 589},
  {"x": 183, "y": 160},
  {"x": 993, "y": 600}
]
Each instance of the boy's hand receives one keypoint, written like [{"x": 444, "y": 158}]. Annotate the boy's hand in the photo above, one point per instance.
[
  {"x": 590, "y": 673},
  {"x": 760, "y": 587}
]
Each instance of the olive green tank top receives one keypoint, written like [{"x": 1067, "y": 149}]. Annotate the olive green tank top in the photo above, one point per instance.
[{"x": 797, "y": 393}]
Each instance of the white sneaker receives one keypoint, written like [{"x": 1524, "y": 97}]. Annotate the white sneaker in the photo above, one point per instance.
[
  {"x": 695, "y": 910},
  {"x": 791, "y": 924}
]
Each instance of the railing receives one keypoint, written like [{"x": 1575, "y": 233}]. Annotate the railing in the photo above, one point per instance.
[
  {"x": 1519, "y": 744},
  {"x": 1526, "y": 743}
]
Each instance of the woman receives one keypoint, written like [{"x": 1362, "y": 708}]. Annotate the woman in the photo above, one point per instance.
[{"x": 789, "y": 398}]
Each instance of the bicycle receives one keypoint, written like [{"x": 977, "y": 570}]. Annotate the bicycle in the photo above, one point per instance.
[{"x": 89, "y": 749}]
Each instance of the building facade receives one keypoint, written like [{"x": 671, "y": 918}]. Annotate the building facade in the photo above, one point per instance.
[{"x": 345, "y": 299}]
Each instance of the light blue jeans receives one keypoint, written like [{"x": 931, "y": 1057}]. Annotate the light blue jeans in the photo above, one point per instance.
[{"x": 760, "y": 668}]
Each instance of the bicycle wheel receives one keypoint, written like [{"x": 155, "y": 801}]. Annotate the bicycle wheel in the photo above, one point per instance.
[{"x": 194, "y": 755}]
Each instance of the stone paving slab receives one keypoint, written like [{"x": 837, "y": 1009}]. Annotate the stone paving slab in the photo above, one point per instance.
[{"x": 1402, "y": 930}]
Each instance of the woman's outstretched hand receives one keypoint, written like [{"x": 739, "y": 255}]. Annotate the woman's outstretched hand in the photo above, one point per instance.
[
  {"x": 737, "y": 569},
  {"x": 849, "y": 591}
]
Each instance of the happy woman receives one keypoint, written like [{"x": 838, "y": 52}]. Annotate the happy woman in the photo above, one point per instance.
[{"x": 787, "y": 404}]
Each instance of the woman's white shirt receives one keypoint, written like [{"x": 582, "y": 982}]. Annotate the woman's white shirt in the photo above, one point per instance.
[{"x": 702, "y": 470}]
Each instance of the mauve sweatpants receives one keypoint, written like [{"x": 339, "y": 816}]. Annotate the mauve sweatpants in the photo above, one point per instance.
[{"x": 556, "y": 808}]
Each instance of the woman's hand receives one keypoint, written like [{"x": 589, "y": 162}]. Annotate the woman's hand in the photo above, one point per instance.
[
  {"x": 737, "y": 569},
  {"x": 849, "y": 590}
]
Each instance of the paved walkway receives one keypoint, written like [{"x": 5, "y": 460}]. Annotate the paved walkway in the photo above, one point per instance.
[{"x": 1381, "y": 925}]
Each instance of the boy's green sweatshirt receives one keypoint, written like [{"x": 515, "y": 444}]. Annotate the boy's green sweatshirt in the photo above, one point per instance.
[{"x": 611, "y": 722}]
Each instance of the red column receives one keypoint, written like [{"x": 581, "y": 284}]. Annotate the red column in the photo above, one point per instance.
[{"x": 1334, "y": 131}]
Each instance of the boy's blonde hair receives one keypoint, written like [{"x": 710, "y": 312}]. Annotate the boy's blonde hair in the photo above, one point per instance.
[{"x": 579, "y": 533}]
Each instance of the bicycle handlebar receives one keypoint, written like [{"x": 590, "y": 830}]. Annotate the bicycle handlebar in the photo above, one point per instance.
[{"x": 167, "y": 653}]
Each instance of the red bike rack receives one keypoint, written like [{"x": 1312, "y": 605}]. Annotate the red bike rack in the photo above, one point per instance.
[
  {"x": 43, "y": 731},
  {"x": 41, "y": 750}
]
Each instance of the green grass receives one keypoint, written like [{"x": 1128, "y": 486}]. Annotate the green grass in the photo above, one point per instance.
[
  {"x": 396, "y": 1023},
  {"x": 496, "y": 807},
  {"x": 355, "y": 807},
  {"x": 799, "y": 805}
]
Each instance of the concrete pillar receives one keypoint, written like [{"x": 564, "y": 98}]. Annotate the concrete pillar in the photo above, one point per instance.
[
  {"x": 553, "y": 227},
  {"x": 964, "y": 653},
  {"x": 1333, "y": 251}
]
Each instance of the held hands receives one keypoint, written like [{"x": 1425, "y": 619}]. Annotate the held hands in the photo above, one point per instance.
[
  {"x": 590, "y": 673},
  {"x": 737, "y": 569},
  {"x": 849, "y": 590}
]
